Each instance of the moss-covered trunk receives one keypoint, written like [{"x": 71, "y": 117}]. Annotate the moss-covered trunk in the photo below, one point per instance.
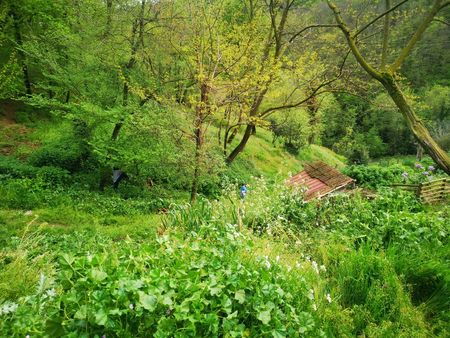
[{"x": 415, "y": 124}]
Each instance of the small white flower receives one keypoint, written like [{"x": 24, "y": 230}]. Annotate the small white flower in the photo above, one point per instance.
[
  {"x": 311, "y": 294},
  {"x": 277, "y": 258},
  {"x": 131, "y": 306},
  {"x": 328, "y": 298},
  {"x": 289, "y": 268},
  {"x": 298, "y": 265},
  {"x": 314, "y": 306},
  {"x": 8, "y": 307},
  {"x": 323, "y": 268},
  {"x": 315, "y": 266},
  {"x": 51, "y": 293}
]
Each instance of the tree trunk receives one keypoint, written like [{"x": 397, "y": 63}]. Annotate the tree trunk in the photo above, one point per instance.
[
  {"x": 414, "y": 123},
  {"x": 109, "y": 5},
  {"x": 18, "y": 37},
  {"x": 200, "y": 113},
  {"x": 312, "y": 107},
  {"x": 240, "y": 147},
  {"x": 197, "y": 160},
  {"x": 419, "y": 153}
]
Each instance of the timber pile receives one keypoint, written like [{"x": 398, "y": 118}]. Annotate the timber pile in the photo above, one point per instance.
[{"x": 429, "y": 192}]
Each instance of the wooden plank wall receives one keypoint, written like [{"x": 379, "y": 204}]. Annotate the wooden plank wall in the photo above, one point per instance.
[
  {"x": 429, "y": 192},
  {"x": 435, "y": 191}
]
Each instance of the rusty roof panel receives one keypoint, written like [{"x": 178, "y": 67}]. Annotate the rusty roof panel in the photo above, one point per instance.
[{"x": 319, "y": 179}]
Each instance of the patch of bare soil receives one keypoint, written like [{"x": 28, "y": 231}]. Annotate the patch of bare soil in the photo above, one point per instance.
[{"x": 8, "y": 111}]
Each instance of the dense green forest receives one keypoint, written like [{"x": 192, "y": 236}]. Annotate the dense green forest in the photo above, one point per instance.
[{"x": 128, "y": 127}]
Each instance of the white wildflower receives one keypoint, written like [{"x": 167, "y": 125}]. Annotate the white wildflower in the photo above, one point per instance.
[
  {"x": 323, "y": 268},
  {"x": 314, "y": 306},
  {"x": 311, "y": 294},
  {"x": 328, "y": 298},
  {"x": 8, "y": 307},
  {"x": 298, "y": 265},
  {"x": 51, "y": 293},
  {"x": 315, "y": 266},
  {"x": 277, "y": 258},
  {"x": 289, "y": 268}
]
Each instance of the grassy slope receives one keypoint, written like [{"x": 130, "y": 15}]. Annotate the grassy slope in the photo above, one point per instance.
[{"x": 261, "y": 157}]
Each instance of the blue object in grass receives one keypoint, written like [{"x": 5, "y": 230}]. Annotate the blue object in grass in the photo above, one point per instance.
[{"x": 243, "y": 191}]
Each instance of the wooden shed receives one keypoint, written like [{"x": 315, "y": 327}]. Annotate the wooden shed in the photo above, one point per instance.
[{"x": 319, "y": 179}]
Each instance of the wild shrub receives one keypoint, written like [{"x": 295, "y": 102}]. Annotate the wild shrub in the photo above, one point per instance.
[
  {"x": 373, "y": 176},
  {"x": 67, "y": 154}
]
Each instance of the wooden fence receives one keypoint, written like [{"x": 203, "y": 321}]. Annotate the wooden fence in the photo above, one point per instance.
[{"x": 429, "y": 192}]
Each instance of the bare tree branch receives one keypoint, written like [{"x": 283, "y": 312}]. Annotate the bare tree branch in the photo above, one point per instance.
[
  {"x": 442, "y": 21},
  {"x": 314, "y": 92},
  {"x": 417, "y": 35},
  {"x": 352, "y": 42},
  {"x": 379, "y": 17},
  {"x": 309, "y": 27},
  {"x": 387, "y": 20}
]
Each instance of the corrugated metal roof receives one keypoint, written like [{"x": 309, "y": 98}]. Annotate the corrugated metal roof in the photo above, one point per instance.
[
  {"x": 319, "y": 179},
  {"x": 327, "y": 174}
]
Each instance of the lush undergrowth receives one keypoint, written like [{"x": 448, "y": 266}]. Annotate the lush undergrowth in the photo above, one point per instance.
[
  {"x": 137, "y": 262},
  {"x": 269, "y": 266}
]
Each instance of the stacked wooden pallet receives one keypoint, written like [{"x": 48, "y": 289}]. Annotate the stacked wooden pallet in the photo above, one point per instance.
[{"x": 429, "y": 192}]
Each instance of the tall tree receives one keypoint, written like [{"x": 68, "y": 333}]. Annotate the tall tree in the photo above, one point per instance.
[
  {"x": 388, "y": 75},
  {"x": 277, "y": 62}
]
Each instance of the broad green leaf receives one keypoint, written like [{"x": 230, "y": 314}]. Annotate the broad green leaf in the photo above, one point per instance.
[
  {"x": 98, "y": 275},
  {"x": 264, "y": 317},
  {"x": 167, "y": 300},
  {"x": 278, "y": 334},
  {"x": 240, "y": 296},
  {"x": 148, "y": 302},
  {"x": 101, "y": 317},
  {"x": 81, "y": 313}
]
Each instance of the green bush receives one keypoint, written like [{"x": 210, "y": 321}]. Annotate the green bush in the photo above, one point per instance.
[
  {"x": 15, "y": 168},
  {"x": 374, "y": 176},
  {"x": 65, "y": 156},
  {"x": 52, "y": 176}
]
